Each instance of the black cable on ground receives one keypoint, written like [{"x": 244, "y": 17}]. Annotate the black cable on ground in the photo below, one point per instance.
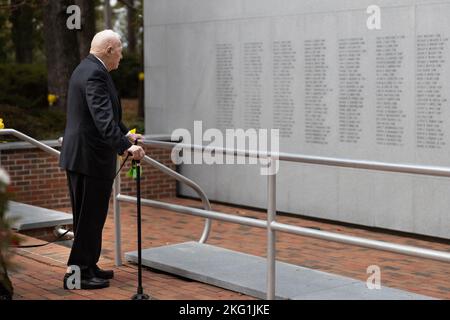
[{"x": 43, "y": 244}]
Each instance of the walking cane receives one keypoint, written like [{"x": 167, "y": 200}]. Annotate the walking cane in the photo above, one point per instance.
[{"x": 140, "y": 295}]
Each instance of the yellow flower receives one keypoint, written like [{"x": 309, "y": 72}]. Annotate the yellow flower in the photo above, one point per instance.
[
  {"x": 51, "y": 99},
  {"x": 2, "y": 125},
  {"x": 141, "y": 76},
  {"x": 133, "y": 131}
]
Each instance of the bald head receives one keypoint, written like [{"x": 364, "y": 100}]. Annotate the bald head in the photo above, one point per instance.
[{"x": 106, "y": 45}]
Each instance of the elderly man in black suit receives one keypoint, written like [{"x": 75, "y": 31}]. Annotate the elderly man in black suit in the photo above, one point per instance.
[{"x": 93, "y": 138}]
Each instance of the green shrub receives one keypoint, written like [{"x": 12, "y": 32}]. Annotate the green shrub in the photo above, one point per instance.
[
  {"x": 47, "y": 123},
  {"x": 23, "y": 85},
  {"x": 24, "y": 106},
  {"x": 126, "y": 77}
]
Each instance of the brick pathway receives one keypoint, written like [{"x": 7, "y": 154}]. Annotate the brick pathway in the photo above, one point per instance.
[{"x": 40, "y": 270}]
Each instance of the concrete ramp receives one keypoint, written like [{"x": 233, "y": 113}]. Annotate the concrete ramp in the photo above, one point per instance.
[
  {"x": 246, "y": 273},
  {"x": 28, "y": 217}
]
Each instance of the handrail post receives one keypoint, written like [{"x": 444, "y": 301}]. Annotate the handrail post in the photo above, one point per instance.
[
  {"x": 271, "y": 215},
  {"x": 117, "y": 225}
]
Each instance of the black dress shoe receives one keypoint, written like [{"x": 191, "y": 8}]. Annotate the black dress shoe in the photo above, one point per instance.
[
  {"x": 89, "y": 283},
  {"x": 103, "y": 274}
]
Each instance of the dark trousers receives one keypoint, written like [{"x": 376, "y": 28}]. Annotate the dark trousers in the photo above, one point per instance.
[{"x": 90, "y": 200}]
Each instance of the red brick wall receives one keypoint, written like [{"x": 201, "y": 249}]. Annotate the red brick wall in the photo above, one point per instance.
[{"x": 36, "y": 178}]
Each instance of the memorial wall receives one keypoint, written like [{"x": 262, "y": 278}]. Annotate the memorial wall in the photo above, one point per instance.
[{"x": 333, "y": 88}]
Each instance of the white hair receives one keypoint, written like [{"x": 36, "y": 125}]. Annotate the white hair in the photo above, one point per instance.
[{"x": 102, "y": 39}]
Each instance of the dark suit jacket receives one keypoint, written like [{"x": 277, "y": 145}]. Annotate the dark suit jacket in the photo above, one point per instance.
[{"x": 94, "y": 133}]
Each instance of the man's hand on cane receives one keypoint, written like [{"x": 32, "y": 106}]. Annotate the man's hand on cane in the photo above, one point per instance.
[{"x": 135, "y": 151}]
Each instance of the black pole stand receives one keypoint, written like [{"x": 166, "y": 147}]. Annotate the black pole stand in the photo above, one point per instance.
[{"x": 140, "y": 295}]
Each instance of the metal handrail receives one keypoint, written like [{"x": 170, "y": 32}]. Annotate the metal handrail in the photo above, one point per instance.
[
  {"x": 327, "y": 161},
  {"x": 29, "y": 139},
  {"x": 149, "y": 161},
  {"x": 12, "y": 132},
  {"x": 270, "y": 223},
  {"x": 273, "y": 226},
  {"x": 252, "y": 222},
  {"x": 117, "y": 197},
  {"x": 363, "y": 242}
]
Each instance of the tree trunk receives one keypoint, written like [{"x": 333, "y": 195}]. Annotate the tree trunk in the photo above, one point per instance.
[
  {"x": 61, "y": 49},
  {"x": 107, "y": 15},
  {"x": 87, "y": 31},
  {"x": 22, "y": 31},
  {"x": 131, "y": 24}
]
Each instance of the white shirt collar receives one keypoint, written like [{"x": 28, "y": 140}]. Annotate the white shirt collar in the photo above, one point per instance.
[{"x": 100, "y": 61}]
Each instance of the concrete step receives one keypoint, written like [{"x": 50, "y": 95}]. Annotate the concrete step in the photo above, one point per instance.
[
  {"x": 28, "y": 217},
  {"x": 246, "y": 273}
]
